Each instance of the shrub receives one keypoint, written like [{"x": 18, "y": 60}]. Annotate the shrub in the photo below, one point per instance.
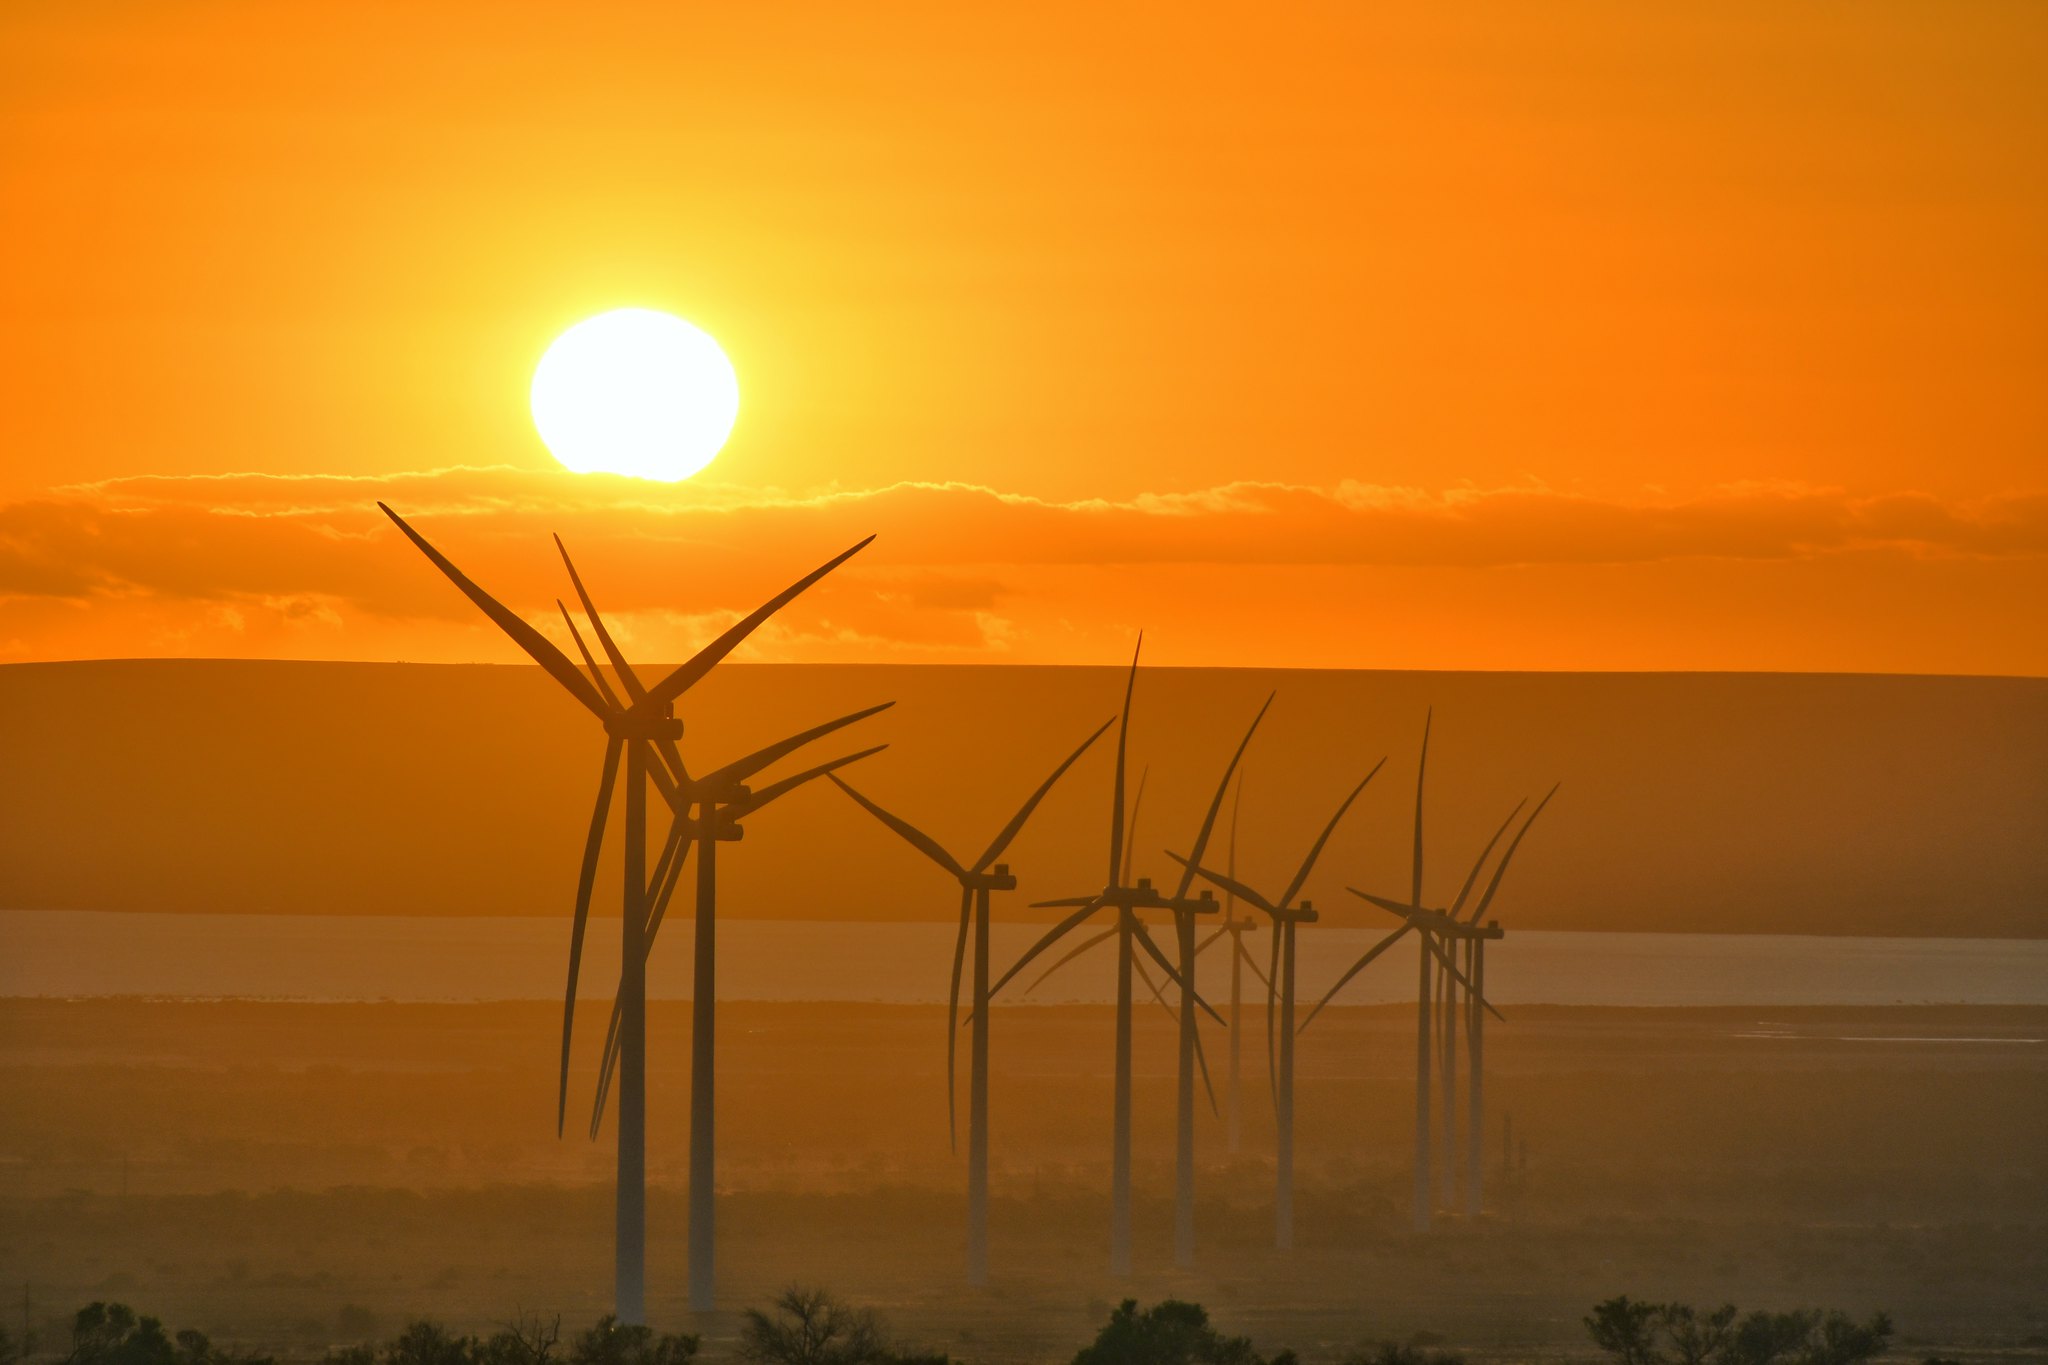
[
  {"x": 1677, "y": 1334},
  {"x": 1170, "y": 1332}
]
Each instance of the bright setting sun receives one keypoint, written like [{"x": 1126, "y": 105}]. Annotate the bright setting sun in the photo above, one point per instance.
[{"x": 635, "y": 392}]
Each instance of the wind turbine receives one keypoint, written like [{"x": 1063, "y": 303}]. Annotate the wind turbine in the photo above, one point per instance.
[
  {"x": 976, "y": 882},
  {"x": 1131, "y": 933},
  {"x": 642, "y": 730},
  {"x": 1286, "y": 916},
  {"x": 1430, "y": 926}
]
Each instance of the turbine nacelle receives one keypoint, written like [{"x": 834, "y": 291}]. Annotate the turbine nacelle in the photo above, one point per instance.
[{"x": 652, "y": 728}]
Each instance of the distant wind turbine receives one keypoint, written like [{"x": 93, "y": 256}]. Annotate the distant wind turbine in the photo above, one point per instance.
[
  {"x": 1436, "y": 929},
  {"x": 642, "y": 730},
  {"x": 976, "y": 882},
  {"x": 1132, "y": 933},
  {"x": 1286, "y": 916}
]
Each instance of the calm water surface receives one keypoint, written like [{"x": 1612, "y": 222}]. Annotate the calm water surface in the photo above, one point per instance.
[{"x": 370, "y": 957}]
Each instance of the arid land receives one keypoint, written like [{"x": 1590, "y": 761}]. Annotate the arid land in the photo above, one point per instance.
[{"x": 252, "y": 1169}]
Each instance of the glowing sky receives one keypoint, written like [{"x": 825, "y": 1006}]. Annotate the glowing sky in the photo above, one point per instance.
[{"x": 1580, "y": 336}]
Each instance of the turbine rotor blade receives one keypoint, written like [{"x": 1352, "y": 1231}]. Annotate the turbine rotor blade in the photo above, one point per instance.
[
  {"x": 953, "y": 1019},
  {"x": 1009, "y": 831},
  {"x": 756, "y": 800},
  {"x": 1253, "y": 963},
  {"x": 1391, "y": 907},
  {"x": 1421, "y": 770},
  {"x": 1131, "y": 827},
  {"x": 537, "y": 646},
  {"x": 1085, "y": 945},
  {"x": 1473, "y": 876},
  {"x": 1389, "y": 941},
  {"x": 1123, "y": 737},
  {"x": 680, "y": 681},
  {"x": 1228, "y": 884},
  {"x": 1202, "y": 1060},
  {"x": 586, "y": 878},
  {"x": 1218, "y": 932},
  {"x": 596, "y": 675},
  {"x": 1052, "y": 937},
  {"x": 740, "y": 769},
  {"x": 1509, "y": 856},
  {"x": 627, "y": 677},
  {"x": 1451, "y": 967},
  {"x": 1151, "y": 946},
  {"x": 911, "y": 834},
  {"x": 1301, "y": 876},
  {"x": 1187, "y": 872}
]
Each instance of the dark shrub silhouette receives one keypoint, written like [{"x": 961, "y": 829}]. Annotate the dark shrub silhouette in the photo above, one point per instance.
[
  {"x": 807, "y": 1326},
  {"x": 1389, "y": 1353},
  {"x": 610, "y": 1343},
  {"x": 1677, "y": 1334},
  {"x": 1170, "y": 1332},
  {"x": 113, "y": 1334}
]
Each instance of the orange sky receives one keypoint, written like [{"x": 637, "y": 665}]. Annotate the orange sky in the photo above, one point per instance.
[{"x": 1577, "y": 336}]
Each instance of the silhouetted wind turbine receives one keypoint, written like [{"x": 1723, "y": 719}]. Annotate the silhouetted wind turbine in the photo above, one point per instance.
[
  {"x": 1431, "y": 926},
  {"x": 643, "y": 731},
  {"x": 1131, "y": 933},
  {"x": 1235, "y": 927},
  {"x": 984, "y": 876},
  {"x": 1286, "y": 916}
]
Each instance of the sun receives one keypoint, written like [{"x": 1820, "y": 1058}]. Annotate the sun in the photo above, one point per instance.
[{"x": 637, "y": 392}]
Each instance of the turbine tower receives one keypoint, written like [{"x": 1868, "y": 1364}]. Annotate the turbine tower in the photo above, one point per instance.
[
  {"x": 976, "y": 882},
  {"x": 643, "y": 731},
  {"x": 1131, "y": 934},
  {"x": 1286, "y": 915}
]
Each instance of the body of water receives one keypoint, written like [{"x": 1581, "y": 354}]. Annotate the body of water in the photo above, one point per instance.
[{"x": 80, "y": 954}]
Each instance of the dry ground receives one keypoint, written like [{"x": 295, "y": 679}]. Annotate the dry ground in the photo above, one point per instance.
[{"x": 282, "y": 1161}]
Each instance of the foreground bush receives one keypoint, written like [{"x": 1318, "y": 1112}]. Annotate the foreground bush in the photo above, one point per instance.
[
  {"x": 1677, "y": 1334},
  {"x": 1170, "y": 1332},
  {"x": 806, "y": 1326}
]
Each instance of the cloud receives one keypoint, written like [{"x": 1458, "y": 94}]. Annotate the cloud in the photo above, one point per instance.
[{"x": 308, "y": 552}]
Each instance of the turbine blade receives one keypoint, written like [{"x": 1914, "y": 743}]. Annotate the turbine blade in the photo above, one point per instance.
[
  {"x": 1194, "y": 858},
  {"x": 1086, "y": 944},
  {"x": 1151, "y": 946},
  {"x": 1391, "y": 907},
  {"x": 1509, "y": 856},
  {"x": 680, "y": 681},
  {"x": 679, "y": 836},
  {"x": 1473, "y": 876},
  {"x": 953, "y": 1019},
  {"x": 1009, "y": 831},
  {"x": 1389, "y": 941},
  {"x": 1214, "y": 934},
  {"x": 586, "y": 877},
  {"x": 627, "y": 677},
  {"x": 1065, "y": 901},
  {"x": 1253, "y": 963},
  {"x": 610, "y": 698},
  {"x": 536, "y": 645},
  {"x": 1158, "y": 995},
  {"x": 740, "y": 769},
  {"x": 1052, "y": 937},
  {"x": 1116, "y": 796},
  {"x": 773, "y": 790},
  {"x": 1421, "y": 770},
  {"x": 608, "y": 1069},
  {"x": 1430, "y": 941},
  {"x": 1131, "y": 828},
  {"x": 1228, "y": 884},
  {"x": 915, "y": 837},
  {"x": 1308, "y": 863}
]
